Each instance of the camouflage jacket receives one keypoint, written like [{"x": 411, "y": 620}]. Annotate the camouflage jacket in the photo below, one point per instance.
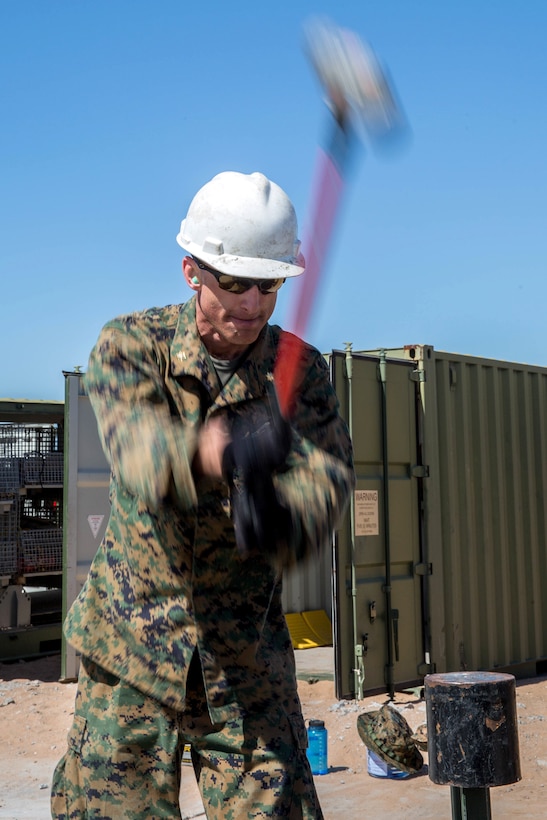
[{"x": 167, "y": 577}]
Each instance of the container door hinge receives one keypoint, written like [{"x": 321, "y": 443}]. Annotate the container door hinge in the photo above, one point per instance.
[
  {"x": 420, "y": 471},
  {"x": 417, "y": 376},
  {"x": 423, "y": 569}
]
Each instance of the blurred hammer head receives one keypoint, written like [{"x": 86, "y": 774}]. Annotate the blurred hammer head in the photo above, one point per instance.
[{"x": 357, "y": 88}]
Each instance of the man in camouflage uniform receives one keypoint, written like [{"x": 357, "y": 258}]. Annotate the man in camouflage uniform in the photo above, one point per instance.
[{"x": 179, "y": 624}]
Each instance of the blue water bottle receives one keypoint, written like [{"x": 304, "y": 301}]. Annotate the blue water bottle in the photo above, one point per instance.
[{"x": 317, "y": 747}]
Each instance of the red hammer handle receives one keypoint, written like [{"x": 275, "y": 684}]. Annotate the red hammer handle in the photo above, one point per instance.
[{"x": 326, "y": 203}]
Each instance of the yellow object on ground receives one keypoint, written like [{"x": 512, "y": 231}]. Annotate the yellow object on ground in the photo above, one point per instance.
[{"x": 309, "y": 629}]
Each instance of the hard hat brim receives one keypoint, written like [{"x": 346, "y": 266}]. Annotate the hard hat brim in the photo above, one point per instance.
[{"x": 245, "y": 267}]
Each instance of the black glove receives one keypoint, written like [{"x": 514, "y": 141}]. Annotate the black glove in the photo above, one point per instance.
[
  {"x": 261, "y": 521},
  {"x": 261, "y": 442}
]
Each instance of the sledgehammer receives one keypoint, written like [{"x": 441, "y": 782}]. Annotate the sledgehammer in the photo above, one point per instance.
[{"x": 362, "y": 105}]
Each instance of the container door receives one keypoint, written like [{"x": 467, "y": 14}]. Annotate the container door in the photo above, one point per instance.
[
  {"x": 86, "y": 501},
  {"x": 378, "y": 565}
]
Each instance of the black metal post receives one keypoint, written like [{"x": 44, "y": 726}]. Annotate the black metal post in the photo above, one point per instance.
[{"x": 470, "y": 804}]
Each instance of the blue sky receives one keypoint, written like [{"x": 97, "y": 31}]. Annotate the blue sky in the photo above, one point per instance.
[{"x": 114, "y": 112}]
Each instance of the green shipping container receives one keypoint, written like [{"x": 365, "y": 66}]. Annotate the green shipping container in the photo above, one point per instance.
[{"x": 441, "y": 563}]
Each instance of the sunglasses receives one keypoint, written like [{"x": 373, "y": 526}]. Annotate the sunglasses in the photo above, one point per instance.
[{"x": 234, "y": 284}]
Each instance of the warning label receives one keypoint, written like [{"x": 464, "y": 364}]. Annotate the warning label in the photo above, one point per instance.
[
  {"x": 95, "y": 522},
  {"x": 366, "y": 512}
]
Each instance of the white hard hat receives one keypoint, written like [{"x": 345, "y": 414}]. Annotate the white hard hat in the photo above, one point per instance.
[{"x": 244, "y": 225}]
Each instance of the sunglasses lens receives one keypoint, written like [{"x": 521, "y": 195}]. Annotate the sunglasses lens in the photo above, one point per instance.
[
  {"x": 270, "y": 285},
  {"x": 232, "y": 284}
]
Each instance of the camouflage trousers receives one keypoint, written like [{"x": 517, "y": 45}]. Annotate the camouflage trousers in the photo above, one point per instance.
[{"x": 125, "y": 752}]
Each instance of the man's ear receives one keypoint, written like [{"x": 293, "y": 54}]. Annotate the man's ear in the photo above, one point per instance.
[{"x": 190, "y": 272}]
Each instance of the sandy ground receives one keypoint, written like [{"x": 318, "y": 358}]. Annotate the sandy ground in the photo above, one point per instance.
[{"x": 36, "y": 711}]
